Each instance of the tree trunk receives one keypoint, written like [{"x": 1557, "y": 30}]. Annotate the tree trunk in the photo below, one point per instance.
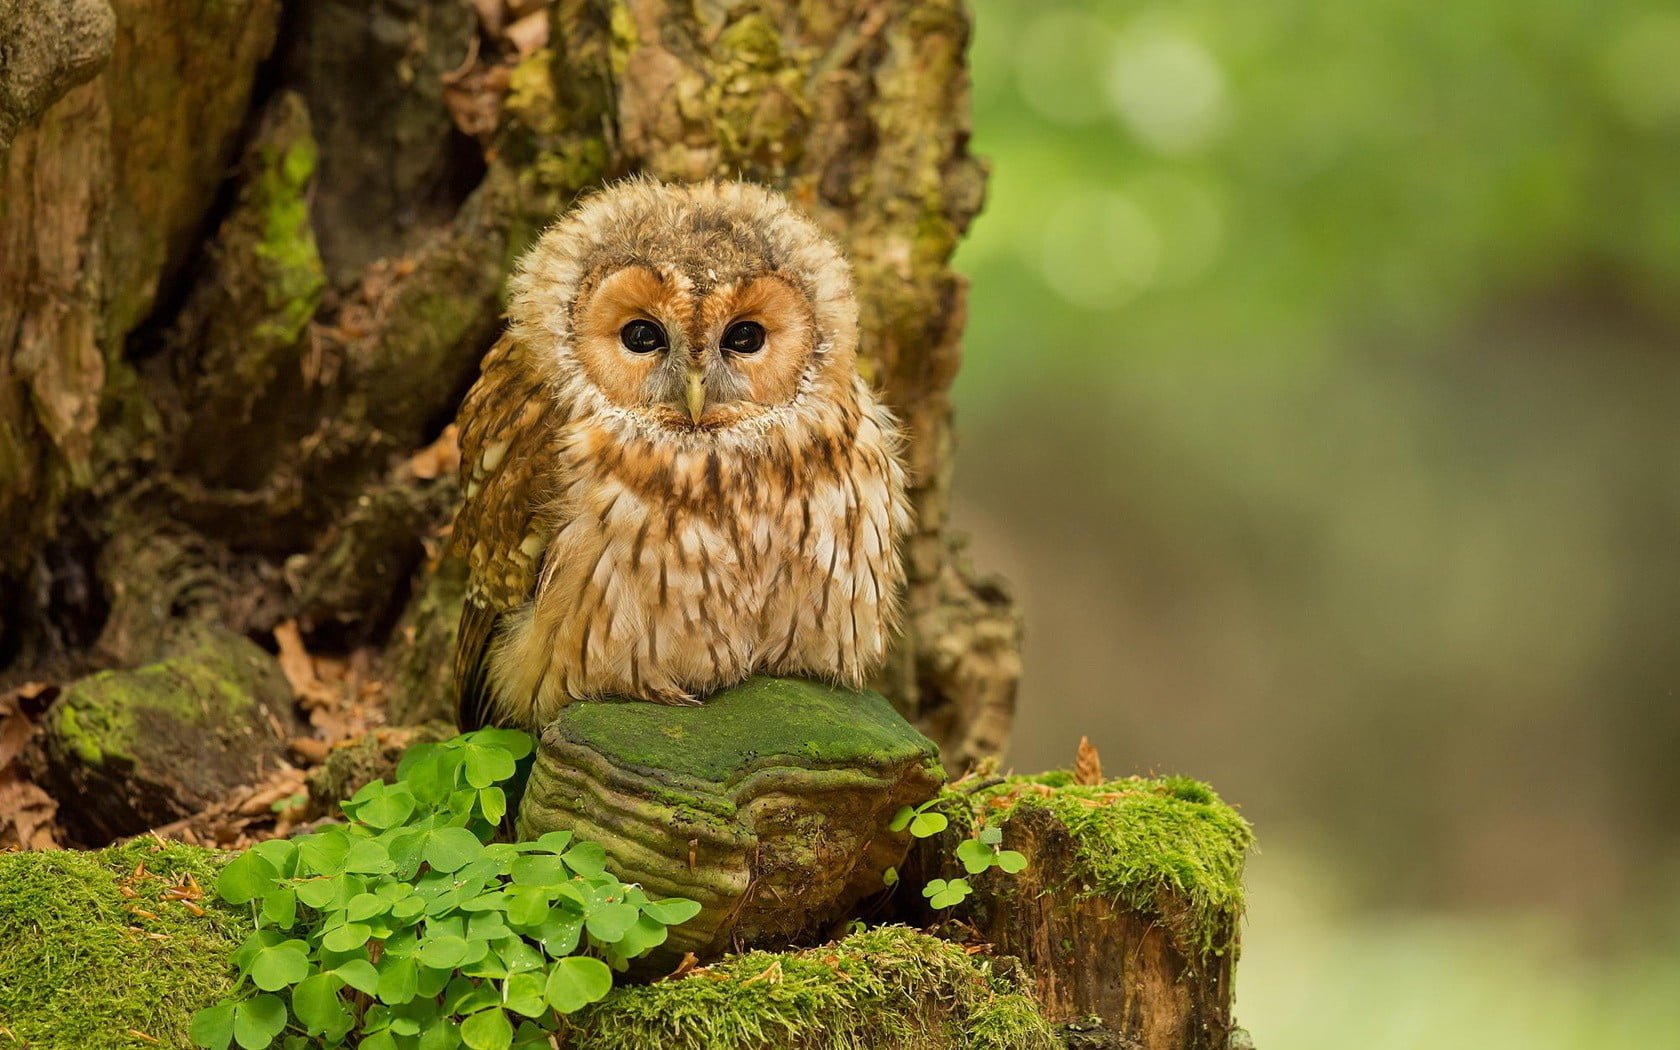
[{"x": 248, "y": 269}]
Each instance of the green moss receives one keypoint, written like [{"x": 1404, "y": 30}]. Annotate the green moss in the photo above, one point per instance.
[
  {"x": 80, "y": 967},
  {"x": 293, "y": 277},
  {"x": 818, "y": 724},
  {"x": 1167, "y": 846},
  {"x": 888, "y": 988},
  {"x": 212, "y": 678}
]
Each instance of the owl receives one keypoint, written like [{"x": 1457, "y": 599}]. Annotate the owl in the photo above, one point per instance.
[{"x": 674, "y": 476}]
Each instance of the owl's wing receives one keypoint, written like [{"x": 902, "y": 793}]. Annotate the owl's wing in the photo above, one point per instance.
[{"x": 510, "y": 464}]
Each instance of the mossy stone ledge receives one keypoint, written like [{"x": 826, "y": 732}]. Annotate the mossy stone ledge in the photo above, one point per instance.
[{"x": 768, "y": 804}]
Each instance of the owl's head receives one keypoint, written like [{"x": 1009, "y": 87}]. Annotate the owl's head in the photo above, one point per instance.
[{"x": 697, "y": 309}]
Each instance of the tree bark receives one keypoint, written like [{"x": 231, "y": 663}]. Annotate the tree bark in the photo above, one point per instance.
[{"x": 248, "y": 269}]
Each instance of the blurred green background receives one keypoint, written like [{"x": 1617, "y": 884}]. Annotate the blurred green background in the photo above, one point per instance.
[{"x": 1322, "y": 403}]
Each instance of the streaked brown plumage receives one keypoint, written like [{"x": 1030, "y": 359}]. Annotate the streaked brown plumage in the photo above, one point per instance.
[{"x": 660, "y": 523}]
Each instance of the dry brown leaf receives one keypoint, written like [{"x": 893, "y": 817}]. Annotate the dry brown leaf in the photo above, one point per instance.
[
  {"x": 684, "y": 968},
  {"x": 27, "y": 816},
  {"x": 442, "y": 456},
  {"x": 529, "y": 34},
  {"x": 298, "y": 666},
  {"x": 1087, "y": 768}
]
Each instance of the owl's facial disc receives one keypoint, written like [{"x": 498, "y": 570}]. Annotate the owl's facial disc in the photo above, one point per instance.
[{"x": 694, "y": 355}]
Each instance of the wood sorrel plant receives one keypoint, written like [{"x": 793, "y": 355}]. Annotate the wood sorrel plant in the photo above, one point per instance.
[{"x": 408, "y": 929}]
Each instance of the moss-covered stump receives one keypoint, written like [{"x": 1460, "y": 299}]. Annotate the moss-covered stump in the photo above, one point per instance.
[
  {"x": 888, "y": 988},
  {"x": 1128, "y": 908},
  {"x": 95, "y": 952},
  {"x": 768, "y": 804},
  {"x": 141, "y": 748}
]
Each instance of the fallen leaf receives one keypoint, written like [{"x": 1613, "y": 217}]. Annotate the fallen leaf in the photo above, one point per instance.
[
  {"x": 529, "y": 34},
  {"x": 1087, "y": 768},
  {"x": 442, "y": 456}
]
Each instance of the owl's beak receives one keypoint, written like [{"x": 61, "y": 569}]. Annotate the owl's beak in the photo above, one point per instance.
[{"x": 696, "y": 389}]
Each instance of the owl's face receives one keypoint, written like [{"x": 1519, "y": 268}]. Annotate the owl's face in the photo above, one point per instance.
[{"x": 696, "y": 310}]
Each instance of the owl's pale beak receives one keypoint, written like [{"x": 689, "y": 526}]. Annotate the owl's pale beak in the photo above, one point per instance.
[{"x": 696, "y": 382}]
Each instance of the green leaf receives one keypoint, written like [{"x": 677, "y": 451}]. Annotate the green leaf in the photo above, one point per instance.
[
  {"x": 517, "y": 955},
  {"x": 672, "y": 911},
  {"x": 451, "y": 849},
  {"x": 609, "y": 922},
  {"x": 323, "y": 852},
  {"x": 280, "y": 907},
  {"x": 466, "y": 997},
  {"x": 975, "y": 855},
  {"x": 492, "y": 802},
  {"x": 359, "y": 974},
  {"x": 559, "y": 935},
  {"x": 212, "y": 1027},
  {"x": 942, "y": 894},
  {"x": 539, "y": 870},
  {"x": 365, "y": 906},
  {"x": 554, "y": 841},
  {"x": 575, "y": 982},
  {"x": 516, "y": 743},
  {"x": 257, "y": 1021},
  {"x": 386, "y": 808},
  {"x": 349, "y": 937},
  {"x": 889, "y": 877},
  {"x": 927, "y": 825},
  {"x": 1011, "y": 861},
  {"x": 247, "y": 877},
  {"x": 316, "y": 1003},
  {"x": 586, "y": 858},
  {"x": 440, "y": 1034},
  {"x": 443, "y": 953},
  {"x": 282, "y": 853},
  {"x": 991, "y": 836},
  {"x": 647, "y": 934},
  {"x": 523, "y": 994},
  {"x": 902, "y": 819},
  {"x": 280, "y": 965},
  {"x": 378, "y": 1041},
  {"x": 488, "y": 765},
  {"x": 398, "y": 980},
  {"x": 368, "y": 857},
  {"x": 487, "y": 1030},
  {"x": 527, "y": 905}
]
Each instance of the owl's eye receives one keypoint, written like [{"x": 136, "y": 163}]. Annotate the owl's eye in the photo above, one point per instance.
[
  {"x": 745, "y": 337},
  {"x": 642, "y": 337}
]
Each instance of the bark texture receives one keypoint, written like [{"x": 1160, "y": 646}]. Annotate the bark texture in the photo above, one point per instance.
[{"x": 248, "y": 269}]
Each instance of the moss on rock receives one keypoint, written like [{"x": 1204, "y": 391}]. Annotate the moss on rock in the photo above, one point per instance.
[
  {"x": 889, "y": 988},
  {"x": 159, "y": 742},
  {"x": 84, "y": 965}
]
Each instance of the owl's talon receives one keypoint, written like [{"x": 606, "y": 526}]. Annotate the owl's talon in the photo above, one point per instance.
[{"x": 675, "y": 698}]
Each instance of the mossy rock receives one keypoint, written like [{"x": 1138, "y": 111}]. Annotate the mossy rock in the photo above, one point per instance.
[
  {"x": 768, "y": 804},
  {"x": 83, "y": 965},
  {"x": 141, "y": 748}
]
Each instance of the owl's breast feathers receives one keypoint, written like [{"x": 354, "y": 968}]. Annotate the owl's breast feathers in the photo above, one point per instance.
[{"x": 609, "y": 560}]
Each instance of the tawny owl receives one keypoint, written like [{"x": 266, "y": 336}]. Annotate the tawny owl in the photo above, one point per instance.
[{"x": 674, "y": 475}]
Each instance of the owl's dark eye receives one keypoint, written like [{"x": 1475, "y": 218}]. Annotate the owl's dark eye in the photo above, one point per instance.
[
  {"x": 642, "y": 337},
  {"x": 745, "y": 337}
]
